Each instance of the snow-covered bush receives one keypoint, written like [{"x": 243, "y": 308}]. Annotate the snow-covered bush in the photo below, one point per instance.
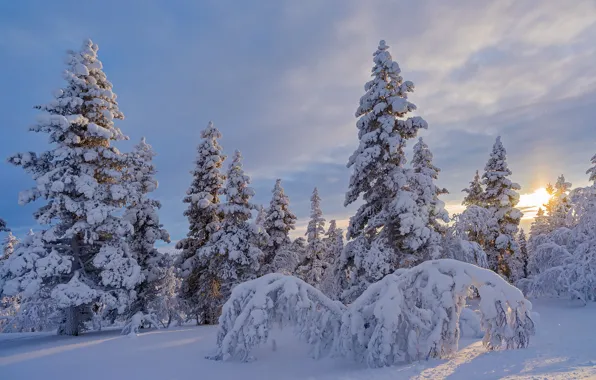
[
  {"x": 255, "y": 306},
  {"x": 411, "y": 314}
]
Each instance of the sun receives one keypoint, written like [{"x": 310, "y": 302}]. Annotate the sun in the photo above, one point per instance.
[{"x": 534, "y": 200}]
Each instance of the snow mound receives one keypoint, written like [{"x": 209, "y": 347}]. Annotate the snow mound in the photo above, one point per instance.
[{"x": 412, "y": 314}]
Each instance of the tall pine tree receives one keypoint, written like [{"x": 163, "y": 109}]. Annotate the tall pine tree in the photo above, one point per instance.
[
  {"x": 423, "y": 178},
  {"x": 204, "y": 217},
  {"x": 500, "y": 198},
  {"x": 232, "y": 252},
  {"x": 81, "y": 180},
  {"x": 278, "y": 223},
  {"x": 559, "y": 205},
  {"x": 313, "y": 266},
  {"x": 142, "y": 214},
  {"x": 387, "y": 227}
]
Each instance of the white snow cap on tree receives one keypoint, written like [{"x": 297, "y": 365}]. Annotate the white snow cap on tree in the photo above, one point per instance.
[
  {"x": 81, "y": 180},
  {"x": 500, "y": 198},
  {"x": 313, "y": 265}
]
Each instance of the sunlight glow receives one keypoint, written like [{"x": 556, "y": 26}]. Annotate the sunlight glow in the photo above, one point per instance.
[{"x": 536, "y": 199}]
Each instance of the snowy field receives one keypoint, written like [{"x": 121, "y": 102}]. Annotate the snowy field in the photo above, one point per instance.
[{"x": 564, "y": 348}]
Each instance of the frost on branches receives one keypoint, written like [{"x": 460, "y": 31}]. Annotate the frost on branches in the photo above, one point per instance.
[
  {"x": 10, "y": 242},
  {"x": 473, "y": 192},
  {"x": 500, "y": 198},
  {"x": 232, "y": 252},
  {"x": 142, "y": 215},
  {"x": 336, "y": 276},
  {"x": 312, "y": 268},
  {"x": 389, "y": 217},
  {"x": 278, "y": 223},
  {"x": 412, "y": 314},
  {"x": 204, "y": 217},
  {"x": 81, "y": 180},
  {"x": 559, "y": 205}
]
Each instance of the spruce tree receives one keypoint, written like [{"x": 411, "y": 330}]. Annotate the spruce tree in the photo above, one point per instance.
[
  {"x": 80, "y": 179},
  {"x": 278, "y": 222},
  {"x": 232, "y": 252},
  {"x": 474, "y": 192},
  {"x": 388, "y": 221},
  {"x": 3, "y": 227},
  {"x": 523, "y": 252},
  {"x": 142, "y": 214},
  {"x": 10, "y": 241},
  {"x": 427, "y": 197},
  {"x": 335, "y": 278},
  {"x": 500, "y": 198},
  {"x": 559, "y": 205},
  {"x": 313, "y": 266},
  {"x": 204, "y": 218}
]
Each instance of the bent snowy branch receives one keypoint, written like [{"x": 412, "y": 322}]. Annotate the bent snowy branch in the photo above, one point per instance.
[{"x": 411, "y": 314}]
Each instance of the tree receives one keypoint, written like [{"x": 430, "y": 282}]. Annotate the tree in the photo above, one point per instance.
[
  {"x": 523, "y": 252},
  {"x": 388, "y": 216},
  {"x": 474, "y": 192},
  {"x": 3, "y": 227},
  {"x": 204, "y": 219},
  {"x": 10, "y": 241},
  {"x": 279, "y": 221},
  {"x": 500, "y": 198},
  {"x": 335, "y": 278},
  {"x": 232, "y": 252},
  {"x": 559, "y": 205},
  {"x": 81, "y": 180},
  {"x": 142, "y": 214},
  {"x": 427, "y": 197},
  {"x": 313, "y": 266}
]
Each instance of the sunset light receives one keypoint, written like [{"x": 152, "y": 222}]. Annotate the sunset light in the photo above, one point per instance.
[{"x": 529, "y": 203}]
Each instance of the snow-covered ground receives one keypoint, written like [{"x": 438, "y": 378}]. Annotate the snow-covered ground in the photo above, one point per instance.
[{"x": 564, "y": 348}]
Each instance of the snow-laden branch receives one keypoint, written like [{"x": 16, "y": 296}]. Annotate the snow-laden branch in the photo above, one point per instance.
[
  {"x": 256, "y": 305},
  {"x": 409, "y": 315}
]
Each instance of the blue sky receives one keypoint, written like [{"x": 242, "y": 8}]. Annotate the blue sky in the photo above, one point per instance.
[{"x": 282, "y": 79}]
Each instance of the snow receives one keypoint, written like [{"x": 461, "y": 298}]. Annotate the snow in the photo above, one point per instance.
[{"x": 560, "y": 350}]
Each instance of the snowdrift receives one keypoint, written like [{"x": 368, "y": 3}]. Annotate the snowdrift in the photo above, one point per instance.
[{"x": 409, "y": 315}]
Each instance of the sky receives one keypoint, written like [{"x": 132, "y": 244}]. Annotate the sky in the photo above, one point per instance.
[{"x": 282, "y": 81}]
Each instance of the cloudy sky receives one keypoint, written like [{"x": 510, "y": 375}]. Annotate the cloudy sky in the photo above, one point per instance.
[{"x": 282, "y": 80}]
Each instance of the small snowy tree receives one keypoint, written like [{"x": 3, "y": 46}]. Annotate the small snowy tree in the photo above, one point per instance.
[
  {"x": 427, "y": 197},
  {"x": 81, "y": 179},
  {"x": 232, "y": 252},
  {"x": 388, "y": 216},
  {"x": 9, "y": 243},
  {"x": 473, "y": 192},
  {"x": 3, "y": 227},
  {"x": 204, "y": 217},
  {"x": 142, "y": 214},
  {"x": 559, "y": 205},
  {"x": 523, "y": 252},
  {"x": 312, "y": 267},
  {"x": 167, "y": 306},
  {"x": 500, "y": 198},
  {"x": 278, "y": 223},
  {"x": 335, "y": 278},
  {"x": 289, "y": 257}
]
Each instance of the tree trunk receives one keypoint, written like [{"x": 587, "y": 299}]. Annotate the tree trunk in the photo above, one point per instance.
[{"x": 71, "y": 323}]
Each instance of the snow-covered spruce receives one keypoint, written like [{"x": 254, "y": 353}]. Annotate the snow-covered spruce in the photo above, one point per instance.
[
  {"x": 142, "y": 215},
  {"x": 412, "y": 314},
  {"x": 289, "y": 257},
  {"x": 473, "y": 192},
  {"x": 279, "y": 220},
  {"x": 232, "y": 254},
  {"x": 83, "y": 255},
  {"x": 500, "y": 198},
  {"x": 10, "y": 241},
  {"x": 312, "y": 268},
  {"x": 256, "y": 306},
  {"x": 204, "y": 217},
  {"x": 389, "y": 217},
  {"x": 336, "y": 277},
  {"x": 558, "y": 207},
  {"x": 422, "y": 183}
]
